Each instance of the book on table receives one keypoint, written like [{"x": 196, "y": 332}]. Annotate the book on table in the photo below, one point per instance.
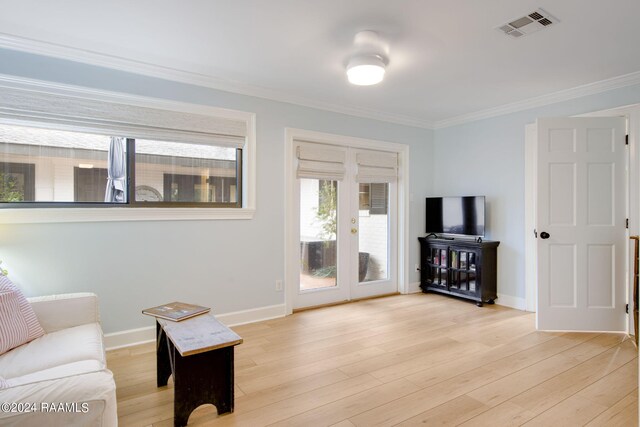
[{"x": 176, "y": 311}]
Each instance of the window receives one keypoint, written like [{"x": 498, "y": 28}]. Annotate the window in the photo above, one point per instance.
[
  {"x": 43, "y": 166},
  {"x": 61, "y": 139},
  {"x": 42, "y": 163},
  {"x": 189, "y": 173}
]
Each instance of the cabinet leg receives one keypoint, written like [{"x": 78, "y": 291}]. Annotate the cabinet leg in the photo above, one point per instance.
[
  {"x": 479, "y": 303},
  {"x": 491, "y": 301}
]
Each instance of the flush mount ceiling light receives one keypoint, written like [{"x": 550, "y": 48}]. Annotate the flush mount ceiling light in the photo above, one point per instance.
[
  {"x": 367, "y": 66},
  {"x": 365, "y": 70}
]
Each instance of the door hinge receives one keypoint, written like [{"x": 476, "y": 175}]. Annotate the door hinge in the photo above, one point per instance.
[
  {"x": 627, "y": 309},
  {"x": 535, "y": 233},
  {"x": 627, "y": 223},
  {"x": 626, "y": 140}
]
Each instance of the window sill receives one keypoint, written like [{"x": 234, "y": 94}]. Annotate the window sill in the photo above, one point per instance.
[{"x": 57, "y": 215}]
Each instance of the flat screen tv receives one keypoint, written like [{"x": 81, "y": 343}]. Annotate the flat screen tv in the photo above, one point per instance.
[{"x": 463, "y": 216}]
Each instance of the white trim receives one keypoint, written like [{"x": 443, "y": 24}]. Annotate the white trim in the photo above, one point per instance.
[
  {"x": 53, "y": 50},
  {"x": 130, "y": 337},
  {"x": 512, "y": 302},
  {"x": 55, "y": 215},
  {"x": 539, "y": 101},
  {"x": 242, "y": 317},
  {"x": 289, "y": 213},
  {"x": 23, "y": 44},
  {"x": 107, "y": 214},
  {"x": 342, "y": 140},
  {"x": 581, "y": 331},
  {"x": 530, "y": 241},
  {"x": 414, "y": 288},
  {"x": 403, "y": 222},
  {"x": 291, "y": 267}
]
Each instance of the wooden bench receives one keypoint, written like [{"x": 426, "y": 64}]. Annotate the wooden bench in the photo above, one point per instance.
[{"x": 198, "y": 352}]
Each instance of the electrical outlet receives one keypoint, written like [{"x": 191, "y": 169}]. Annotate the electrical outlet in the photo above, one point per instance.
[{"x": 278, "y": 285}]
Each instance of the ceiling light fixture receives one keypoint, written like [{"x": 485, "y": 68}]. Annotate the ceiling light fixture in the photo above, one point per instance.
[
  {"x": 365, "y": 70},
  {"x": 367, "y": 65}
]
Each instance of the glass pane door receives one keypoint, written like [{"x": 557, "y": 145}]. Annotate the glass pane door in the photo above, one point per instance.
[
  {"x": 373, "y": 237},
  {"x": 374, "y": 226},
  {"x": 346, "y": 231},
  {"x": 318, "y": 234}
]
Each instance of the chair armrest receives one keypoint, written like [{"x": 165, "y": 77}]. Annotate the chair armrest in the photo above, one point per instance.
[{"x": 63, "y": 311}]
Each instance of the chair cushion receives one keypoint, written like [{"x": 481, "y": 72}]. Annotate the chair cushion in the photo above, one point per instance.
[
  {"x": 91, "y": 396},
  {"x": 70, "y": 345},
  {"x": 57, "y": 372},
  {"x": 18, "y": 322}
]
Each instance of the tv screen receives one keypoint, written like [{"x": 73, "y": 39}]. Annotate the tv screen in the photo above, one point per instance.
[{"x": 455, "y": 215}]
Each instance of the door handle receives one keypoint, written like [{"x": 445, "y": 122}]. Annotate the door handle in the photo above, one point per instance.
[
  {"x": 354, "y": 230},
  {"x": 544, "y": 235}
]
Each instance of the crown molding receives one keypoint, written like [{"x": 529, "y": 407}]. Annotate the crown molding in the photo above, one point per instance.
[
  {"x": 60, "y": 51},
  {"x": 89, "y": 57},
  {"x": 540, "y": 101}
]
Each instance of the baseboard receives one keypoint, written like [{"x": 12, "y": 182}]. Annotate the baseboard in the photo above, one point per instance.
[
  {"x": 128, "y": 338},
  {"x": 512, "y": 302},
  {"x": 414, "y": 288},
  {"x": 504, "y": 300},
  {"x": 253, "y": 315}
]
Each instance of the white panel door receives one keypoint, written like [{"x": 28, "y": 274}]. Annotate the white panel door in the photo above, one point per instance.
[{"x": 581, "y": 215}]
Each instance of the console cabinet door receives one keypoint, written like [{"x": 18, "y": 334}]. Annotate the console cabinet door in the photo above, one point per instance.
[
  {"x": 434, "y": 265},
  {"x": 463, "y": 277}
]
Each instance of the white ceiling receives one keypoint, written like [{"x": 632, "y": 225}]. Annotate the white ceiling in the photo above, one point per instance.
[{"x": 445, "y": 58}]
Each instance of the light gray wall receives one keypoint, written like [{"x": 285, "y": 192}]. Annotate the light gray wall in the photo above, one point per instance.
[
  {"x": 228, "y": 265},
  {"x": 486, "y": 157}
]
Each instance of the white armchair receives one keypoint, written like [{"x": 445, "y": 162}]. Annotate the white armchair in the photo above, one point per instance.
[{"x": 61, "y": 375}]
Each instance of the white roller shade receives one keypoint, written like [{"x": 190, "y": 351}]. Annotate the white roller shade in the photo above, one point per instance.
[
  {"x": 119, "y": 119},
  {"x": 320, "y": 162},
  {"x": 377, "y": 167}
]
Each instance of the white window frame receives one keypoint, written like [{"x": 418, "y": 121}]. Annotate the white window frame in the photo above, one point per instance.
[{"x": 29, "y": 215}]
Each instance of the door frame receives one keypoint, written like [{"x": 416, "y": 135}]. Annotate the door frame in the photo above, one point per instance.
[
  {"x": 632, "y": 113},
  {"x": 291, "y": 261}
]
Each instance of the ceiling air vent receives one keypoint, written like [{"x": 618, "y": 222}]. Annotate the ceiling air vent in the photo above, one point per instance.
[{"x": 534, "y": 21}]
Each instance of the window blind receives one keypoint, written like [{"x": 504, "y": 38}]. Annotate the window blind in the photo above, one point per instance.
[
  {"x": 119, "y": 119},
  {"x": 377, "y": 167},
  {"x": 320, "y": 162}
]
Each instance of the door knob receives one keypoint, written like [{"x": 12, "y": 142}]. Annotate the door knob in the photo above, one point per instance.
[
  {"x": 544, "y": 235},
  {"x": 354, "y": 230}
]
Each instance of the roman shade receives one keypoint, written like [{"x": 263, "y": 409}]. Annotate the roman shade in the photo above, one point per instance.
[
  {"x": 317, "y": 161},
  {"x": 119, "y": 119},
  {"x": 377, "y": 166}
]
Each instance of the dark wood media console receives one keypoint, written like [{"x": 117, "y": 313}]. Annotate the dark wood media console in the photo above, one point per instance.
[{"x": 463, "y": 268}]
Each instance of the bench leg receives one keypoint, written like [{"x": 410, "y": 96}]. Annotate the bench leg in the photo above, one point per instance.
[
  {"x": 203, "y": 378},
  {"x": 163, "y": 364}
]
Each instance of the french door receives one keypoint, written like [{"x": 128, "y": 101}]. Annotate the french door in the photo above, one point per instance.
[{"x": 347, "y": 223}]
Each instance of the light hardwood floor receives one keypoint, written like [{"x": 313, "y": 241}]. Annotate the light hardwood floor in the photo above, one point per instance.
[{"x": 404, "y": 360}]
